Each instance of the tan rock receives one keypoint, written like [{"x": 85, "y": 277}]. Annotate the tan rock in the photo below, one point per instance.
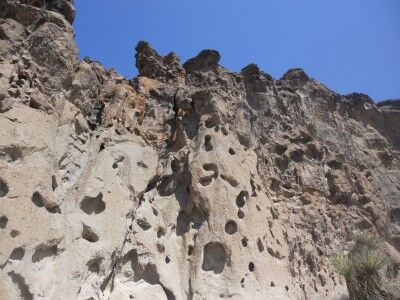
[{"x": 187, "y": 182}]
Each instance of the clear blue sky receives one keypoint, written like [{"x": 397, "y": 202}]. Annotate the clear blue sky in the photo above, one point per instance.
[{"x": 349, "y": 45}]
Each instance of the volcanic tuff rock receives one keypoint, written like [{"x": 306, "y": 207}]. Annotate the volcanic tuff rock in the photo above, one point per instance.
[{"x": 186, "y": 182}]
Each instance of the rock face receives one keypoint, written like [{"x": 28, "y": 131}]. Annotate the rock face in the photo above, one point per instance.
[{"x": 187, "y": 182}]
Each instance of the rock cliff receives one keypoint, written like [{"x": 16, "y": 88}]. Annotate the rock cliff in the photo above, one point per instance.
[{"x": 187, "y": 182}]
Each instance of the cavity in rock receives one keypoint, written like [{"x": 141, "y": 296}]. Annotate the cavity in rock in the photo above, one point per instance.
[
  {"x": 231, "y": 227},
  {"x": 214, "y": 257},
  {"x": 93, "y": 205},
  {"x": 3, "y": 188}
]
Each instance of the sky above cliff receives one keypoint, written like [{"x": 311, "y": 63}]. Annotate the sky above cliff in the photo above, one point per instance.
[{"x": 351, "y": 46}]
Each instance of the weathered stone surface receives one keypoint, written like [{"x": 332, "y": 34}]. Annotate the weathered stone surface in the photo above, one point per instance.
[
  {"x": 152, "y": 65},
  {"x": 206, "y": 59},
  {"x": 186, "y": 182}
]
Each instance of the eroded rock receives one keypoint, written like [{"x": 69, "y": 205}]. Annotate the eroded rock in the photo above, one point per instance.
[{"x": 187, "y": 182}]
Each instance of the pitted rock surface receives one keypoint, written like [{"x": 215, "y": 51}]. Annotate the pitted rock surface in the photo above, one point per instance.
[{"x": 187, "y": 182}]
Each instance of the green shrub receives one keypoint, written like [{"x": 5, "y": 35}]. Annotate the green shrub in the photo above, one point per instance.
[
  {"x": 366, "y": 241},
  {"x": 361, "y": 266}
]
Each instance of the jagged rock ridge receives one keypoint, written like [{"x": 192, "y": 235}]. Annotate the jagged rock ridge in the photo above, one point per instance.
[{"x": 186, "y": 182}]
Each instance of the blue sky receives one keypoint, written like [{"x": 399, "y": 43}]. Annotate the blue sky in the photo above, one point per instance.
[{"x": 349, "y": 45}]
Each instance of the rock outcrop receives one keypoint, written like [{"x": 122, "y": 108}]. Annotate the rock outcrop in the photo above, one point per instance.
[{"x": 187, "y": 182}]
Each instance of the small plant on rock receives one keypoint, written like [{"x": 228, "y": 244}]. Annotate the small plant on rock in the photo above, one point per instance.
[{"x": 360, "y": 267}]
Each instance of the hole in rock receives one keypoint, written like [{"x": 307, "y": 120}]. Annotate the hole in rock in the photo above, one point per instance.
[
  {"x": 297, "y": 155},
  {"x": 198, "y": 218},
  {"x": 152, "y": 184},
  {"x": 214, "y": 257},
  {"x": 93, "y": 205},
  {"x": 155, "y": 212},
  {"x": 3, "y": 222},
  {"x": 175, "y": 166},
  {"x": 245, "y": 242},
  {"x": 313, "y": 152},
  {"x": 94, "y": 264},
  {"x": 149, "y": 274},
  {"x": 117, "y": 160},
  {"x": 142, "y": 165},
  {"x": 240, "y": 214},
  {"x": 395, "y": 215},
  {"x": 232, "y": 181},
  {"x": 275, "y": 184},
  {"x": 88, "y": 234},
  {"x": 271, "y": 251},
  {"x": 210, "y": 167},
  {"x": 212, "y": 122},
  {"x": 251, "y": 266},
  {"x": 231, "y": 151},
  {"x": 37, "y": 199},
  {"x": 160, "y": 232},
  {"x": 363, "y": 224},
  {"x": 3, "y": 188},
  {"x": 17, "y": 253},
  {"x": 182, "y": 223},
  {"x": 231, "y": 227},
  {"x": 54, "y": 184},
  {"x": 14, "y": 233},
  {"x": 334, "y": 164},
  {"x": 10, "y": 154},
  {"x": 205, "y": 181},
  {"x": 207, "y": 143},
  {"x": 167, "y": 260},
  {"x": 260, "y": 245},
  {"x": 241, "y": 198},
  {"x": 33, "y": 103},
  {"x": 280, "y": 149},
  {"x": 282, "y": 163},
  {"x": 44, "y": 251},
  {"x": 160, "y": 248},
  {"x": 144, "y": 224},
  {"x": 25, "y": 294},
  {"x": 190, "y": 250},
  {"x": 167, "y": 185},
  {"x": 253, "y": 188},
  {"x": 54, "y": 210}
]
